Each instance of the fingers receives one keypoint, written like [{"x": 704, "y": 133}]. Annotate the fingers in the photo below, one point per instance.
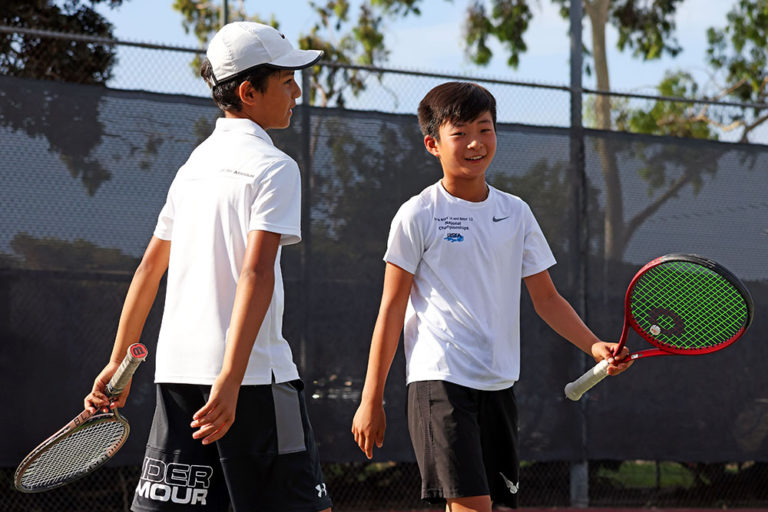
[
  {"x": 619, "y": 362},
  {"x": 366, "y": 438},
  {"x": 212, "y": 423},
  {"x": 212, "y": 432},
  {"x": 96, "y": 400}
]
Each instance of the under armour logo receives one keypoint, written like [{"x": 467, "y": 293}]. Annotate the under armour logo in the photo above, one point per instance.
[
  {"x": 321, "y": 490},
  {"x": 512, "y": 487}
]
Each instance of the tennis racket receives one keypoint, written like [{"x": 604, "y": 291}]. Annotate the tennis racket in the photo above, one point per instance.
[
  {"x": 83, "y": 444},
  {"x": 681, "y": 304}
]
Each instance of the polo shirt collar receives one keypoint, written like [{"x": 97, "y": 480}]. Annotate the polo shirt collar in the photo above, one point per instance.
[{"x": 242, "y": 125}]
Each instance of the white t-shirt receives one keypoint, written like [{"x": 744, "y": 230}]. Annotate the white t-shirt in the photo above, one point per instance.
[
  {"x": 235, "y": 182},
  {"x": 468, "y": 259}
]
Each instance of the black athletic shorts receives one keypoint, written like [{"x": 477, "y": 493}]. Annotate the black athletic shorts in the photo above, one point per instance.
[
  {"x": 267, "y": 461},
  {"x": 465, "y": 441}
]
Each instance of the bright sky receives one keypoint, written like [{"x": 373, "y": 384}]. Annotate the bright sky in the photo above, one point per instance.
[{"x": 432, "y": 42}]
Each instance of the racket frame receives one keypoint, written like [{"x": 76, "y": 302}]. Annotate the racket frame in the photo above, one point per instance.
[
  {"x": 135, "y": 355},
  {"x": 661, "y": 348},
  {"x": 574, "y": 390}
]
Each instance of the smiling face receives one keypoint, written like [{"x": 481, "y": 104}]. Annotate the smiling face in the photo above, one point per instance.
[
  {"x": 465, "y": 149},
  {"x": 273, "y": 107}
]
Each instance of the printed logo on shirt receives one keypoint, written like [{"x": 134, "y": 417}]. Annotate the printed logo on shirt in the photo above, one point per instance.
[
  {"x": 183, "y": 484},
  {"x": 321, "y": 490},
  {"x": 237, "y": 172},
  {"x": 454, "y": 226},
  {"x": 499, "y": 219}
]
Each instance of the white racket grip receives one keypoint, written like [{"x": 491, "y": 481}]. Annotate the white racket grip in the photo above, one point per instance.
[
  {"x": 575, "y": 389},
  {"x": 135, "y": 355}
]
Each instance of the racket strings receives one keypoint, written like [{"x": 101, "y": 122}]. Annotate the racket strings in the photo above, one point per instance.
[
  {"x": 74, "y": 455},
  {"x": 687, "y": 306}
]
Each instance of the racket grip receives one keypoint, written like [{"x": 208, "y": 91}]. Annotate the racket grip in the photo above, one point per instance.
[
  {"x": 135, "y": 355},
  {"x": 575, "y": 389}
]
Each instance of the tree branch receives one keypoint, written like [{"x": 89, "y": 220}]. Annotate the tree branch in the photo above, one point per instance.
[{"x": 649, "y": 210}]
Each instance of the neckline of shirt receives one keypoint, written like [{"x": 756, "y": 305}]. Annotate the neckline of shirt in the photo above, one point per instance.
[
  {"x": 243, "y": 125},
  {"x": 464, "y": 202}
]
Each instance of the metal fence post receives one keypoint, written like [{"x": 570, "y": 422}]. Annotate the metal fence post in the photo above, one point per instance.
[
  {"x": 306, "y": 216},
  {"x": 579, "y": 471}
]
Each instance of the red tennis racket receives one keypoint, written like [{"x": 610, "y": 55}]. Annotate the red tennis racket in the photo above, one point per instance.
[
  {"x": 83, "y": 444},
  {"x": 682, "y": 304}
]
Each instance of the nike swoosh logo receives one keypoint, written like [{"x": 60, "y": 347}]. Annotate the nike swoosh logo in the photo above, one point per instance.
[{"x": 500, "y": 218}]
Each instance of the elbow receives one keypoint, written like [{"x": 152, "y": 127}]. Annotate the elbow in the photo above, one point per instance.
[
  {"x": 258, "y": 276},
  {"x": 546, "y": 303},
  {"x": 149, "y": 271}
]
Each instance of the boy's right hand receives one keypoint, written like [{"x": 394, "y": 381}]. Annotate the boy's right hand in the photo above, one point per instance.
[
  {"x": 368, "y": 426},
  {"x": 97, "y": 399}
]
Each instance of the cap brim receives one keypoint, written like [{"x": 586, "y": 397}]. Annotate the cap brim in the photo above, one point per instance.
[{"x": 297, "y": 59}]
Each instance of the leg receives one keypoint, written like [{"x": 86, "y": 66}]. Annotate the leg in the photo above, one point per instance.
[
  {"x": 469, "y": 504},
  {"x": 179, "y": 471},
  {"x": 269, "y": 455},
  {"x": 442, "y": 421}
]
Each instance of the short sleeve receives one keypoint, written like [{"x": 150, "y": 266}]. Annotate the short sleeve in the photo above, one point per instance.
[
  {"x": 537, "y": 256},
  {"x": 405, "y": 245},
  {"x": 276, "y": 204},
  {"x": 164, "y": 226}
]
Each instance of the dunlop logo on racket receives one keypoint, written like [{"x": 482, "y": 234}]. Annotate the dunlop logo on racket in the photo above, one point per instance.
[
  {"x": 682, "y": 304},
  {"x": 85, "y": 443}
]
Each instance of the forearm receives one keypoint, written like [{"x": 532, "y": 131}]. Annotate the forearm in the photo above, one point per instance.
[
  {"x": 386, "y": 335},
  {"x": 140, "y": 298},
  {"x": 252, "y": 299},
  {"x": 563, "y": 319}
]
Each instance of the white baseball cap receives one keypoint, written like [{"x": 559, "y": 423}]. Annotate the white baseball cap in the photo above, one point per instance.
[{"x": 243, "y": 45}]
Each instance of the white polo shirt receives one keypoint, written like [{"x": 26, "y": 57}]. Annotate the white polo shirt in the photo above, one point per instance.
[
  {"x": 235, "y": 182},
  {"x": 468, "y": 259}
]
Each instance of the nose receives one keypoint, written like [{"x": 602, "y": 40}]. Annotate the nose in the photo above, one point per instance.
[
  {"x": 296, "y": 91},
  {"x": 475, "y": 144}
]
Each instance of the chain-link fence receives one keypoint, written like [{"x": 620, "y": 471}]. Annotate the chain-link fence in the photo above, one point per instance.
[{"x": 85, "y": 169}]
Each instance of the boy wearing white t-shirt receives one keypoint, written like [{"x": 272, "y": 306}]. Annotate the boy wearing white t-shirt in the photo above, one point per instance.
[
  {"x": 456, "y": 256},
  {"x": 230, "y": 425}
]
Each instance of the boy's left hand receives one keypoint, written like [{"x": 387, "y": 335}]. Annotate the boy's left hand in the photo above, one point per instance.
[
  {"x": 215, "y": 418},
  {"x": 602, "y": 350}
]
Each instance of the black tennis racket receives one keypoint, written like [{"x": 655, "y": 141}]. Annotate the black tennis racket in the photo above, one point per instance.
[
  {"x": 681, "y": 304},
  {"x": 83, "y": 444}
]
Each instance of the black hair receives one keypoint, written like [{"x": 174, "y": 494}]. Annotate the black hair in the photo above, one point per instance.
[
  {"x": 225, "y": 93},
  {"x": 454, "y": 102}
]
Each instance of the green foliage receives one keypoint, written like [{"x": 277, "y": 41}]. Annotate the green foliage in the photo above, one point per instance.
[
  {"x": 739, "y": 53},
  {"x": 672, "y": 118},
  {"x": 30, "y": 56},
  {"x": 507, "y": 22},
  {"x": 740, "y": 50},
  {"x": 646, "y": 27}
]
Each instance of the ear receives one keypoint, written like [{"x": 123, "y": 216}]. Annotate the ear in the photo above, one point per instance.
[
  {"x": 432, "y": 145},
  {"x": 248, "y": 95}
]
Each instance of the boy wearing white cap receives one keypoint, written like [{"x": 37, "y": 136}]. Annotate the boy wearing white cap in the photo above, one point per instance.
[{"x": 230, "y": 424}]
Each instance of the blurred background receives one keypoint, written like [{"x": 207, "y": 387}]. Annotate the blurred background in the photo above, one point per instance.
[{"x": 95, "y": 121}]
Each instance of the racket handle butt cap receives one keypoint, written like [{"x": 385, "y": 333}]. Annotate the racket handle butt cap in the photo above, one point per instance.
[{"x": 574, "y": 390}]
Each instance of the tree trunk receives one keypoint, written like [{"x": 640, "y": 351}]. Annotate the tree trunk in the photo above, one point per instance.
[{"x": 615, "y": 243}]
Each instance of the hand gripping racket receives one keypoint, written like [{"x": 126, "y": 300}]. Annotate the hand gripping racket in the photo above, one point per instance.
[
  {"x": 682, "y": 304},
  {"x": 83, "y": 444}
]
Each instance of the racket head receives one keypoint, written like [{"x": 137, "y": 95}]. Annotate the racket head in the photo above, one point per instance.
[
  {"x": 80, "y": 447},
  {"x": 688, "y": 304}
]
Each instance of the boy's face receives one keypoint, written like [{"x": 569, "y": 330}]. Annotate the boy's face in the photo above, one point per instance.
[
  {"x": 465, "y": 150},
  {"x": 273, "y": 107}
]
